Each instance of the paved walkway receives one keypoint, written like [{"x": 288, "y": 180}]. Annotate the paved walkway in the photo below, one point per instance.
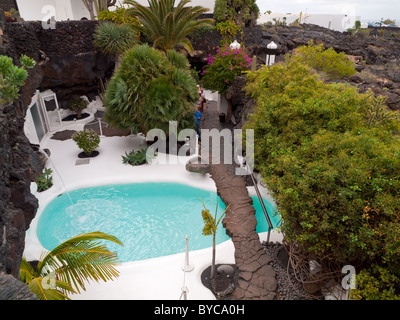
[{"x": 256, "y": 279}]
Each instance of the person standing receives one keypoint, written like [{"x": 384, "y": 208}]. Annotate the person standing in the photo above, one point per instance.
[
  {"x": 198, "y": 117},
  {"x": 202, "y": 99}
]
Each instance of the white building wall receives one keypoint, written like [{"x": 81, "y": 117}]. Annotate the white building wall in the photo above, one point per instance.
[
  {"x": 209, "y": 4},
  {"x": 337, "y": 22},
  {"x": 41, "y": 9},
  {"x": 75, "y": 9}
]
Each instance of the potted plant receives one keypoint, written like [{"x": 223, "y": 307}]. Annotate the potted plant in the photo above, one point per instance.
[
  {"x": 210, "y": 228},
  {"x": 45, "y": 180},
  {"x": 77, "y": 106},
  {"x": 88, "y": 141}
]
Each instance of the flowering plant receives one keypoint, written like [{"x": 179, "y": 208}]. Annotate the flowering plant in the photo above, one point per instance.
[
  {"x": 222, "y": 69},
  {"x": 87, "y": 140}
]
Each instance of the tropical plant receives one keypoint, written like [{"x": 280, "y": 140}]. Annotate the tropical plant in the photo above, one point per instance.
[
  {"x": 45, "y": 180},
  {"x": 65, "y": 269},
  {"x": 77, "y": 106},
  {"x": 114, "y": 39},
  {"x": 13, "y": 77},
  {"x": 222, "y": 69},
  {"x": 87, "y": 140},
  {"x": 138, "y": 157},
  {"x": 243, "y": 12},
  {"x": 210, "y": 228},
  {"x": 166, "y": 25},
  {"x": 332, "y": 171},
  {"x": 150, "y": 89}
]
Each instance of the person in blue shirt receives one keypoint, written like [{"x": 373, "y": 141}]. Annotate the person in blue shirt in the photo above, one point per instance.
[{"x": 197, "y": 117}]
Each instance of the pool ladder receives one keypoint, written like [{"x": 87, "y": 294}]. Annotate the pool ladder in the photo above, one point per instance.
[{"x": 270, "y": 226}]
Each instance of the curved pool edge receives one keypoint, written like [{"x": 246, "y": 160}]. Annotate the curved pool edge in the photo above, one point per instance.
[{"x": 33, "y": 247}]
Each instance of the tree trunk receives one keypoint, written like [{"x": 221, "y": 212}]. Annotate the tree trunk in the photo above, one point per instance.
[
  {"x": 213, "y": 259},
  {"x": 89, "y": 5}
]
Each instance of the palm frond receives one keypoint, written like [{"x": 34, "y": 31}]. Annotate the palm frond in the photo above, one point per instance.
[
  {"x": 26, "y": 271},
  {"x": 81, "y": 258},
  {"x": 36, "y": 287},
  {"x": 166, "y": 25}
]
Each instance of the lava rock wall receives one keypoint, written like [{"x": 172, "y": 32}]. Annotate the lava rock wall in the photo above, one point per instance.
[{"x": 67, "y": 61}]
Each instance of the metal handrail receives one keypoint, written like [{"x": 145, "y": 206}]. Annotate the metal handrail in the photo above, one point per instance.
[{"x": 270, "y": 226}]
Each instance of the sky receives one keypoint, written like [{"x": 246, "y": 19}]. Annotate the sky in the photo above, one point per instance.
[{"x": 368, "y": 10}]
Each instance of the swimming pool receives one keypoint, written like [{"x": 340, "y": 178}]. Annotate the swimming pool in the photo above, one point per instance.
[{"x": 151, "y": 219}]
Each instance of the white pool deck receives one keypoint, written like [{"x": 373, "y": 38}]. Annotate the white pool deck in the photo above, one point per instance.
[{"x": 153, "y": 279}]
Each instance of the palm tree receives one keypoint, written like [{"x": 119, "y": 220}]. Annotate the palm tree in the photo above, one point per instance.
[
  {"x": 167, "y": 26},
  {"x": 150, "y": 89},
  {"x": 64, "y": 269},
  {"x": 210, "y": 228}
]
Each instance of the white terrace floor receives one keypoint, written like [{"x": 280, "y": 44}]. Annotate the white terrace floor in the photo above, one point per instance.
[{"x": 153, "y": 279}]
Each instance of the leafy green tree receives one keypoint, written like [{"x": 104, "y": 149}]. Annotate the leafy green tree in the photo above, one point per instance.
[
  {"x": 332, "y": 170},
  {"x": 167, "y": 26},
  {"x": 220, "y": 10},
  {"x": 65, "y": 269},
  {"x": 12, "y": 78},
  {"x": 150, "y": 89}
]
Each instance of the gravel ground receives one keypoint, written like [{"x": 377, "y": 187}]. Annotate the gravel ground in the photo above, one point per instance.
[{"x": 287, "y": 289}]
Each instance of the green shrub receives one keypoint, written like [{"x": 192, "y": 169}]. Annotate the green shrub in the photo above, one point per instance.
[
  {"x": 335, "y": 65},
  {"x": 328, "y": 165},
  {"x": 150, "y": 89},
  {"x": 112, "y": 38},
  {"x": 87, "y": 140},
  {"x": 45, "y": 180},
  {"x": 119, "y": 16},
  {"x": 138, "y": 157},
  {"x": 13, "y": 77},
  {"x": 376, "y": 283}
]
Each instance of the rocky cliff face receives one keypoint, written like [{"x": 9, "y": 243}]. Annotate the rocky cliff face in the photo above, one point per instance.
[
  {"x": 19, "y": 165},
  {"x": 67, "y": 61}
]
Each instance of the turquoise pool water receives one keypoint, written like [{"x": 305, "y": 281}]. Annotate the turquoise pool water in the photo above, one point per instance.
[{"x": 151, "y": 219}]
